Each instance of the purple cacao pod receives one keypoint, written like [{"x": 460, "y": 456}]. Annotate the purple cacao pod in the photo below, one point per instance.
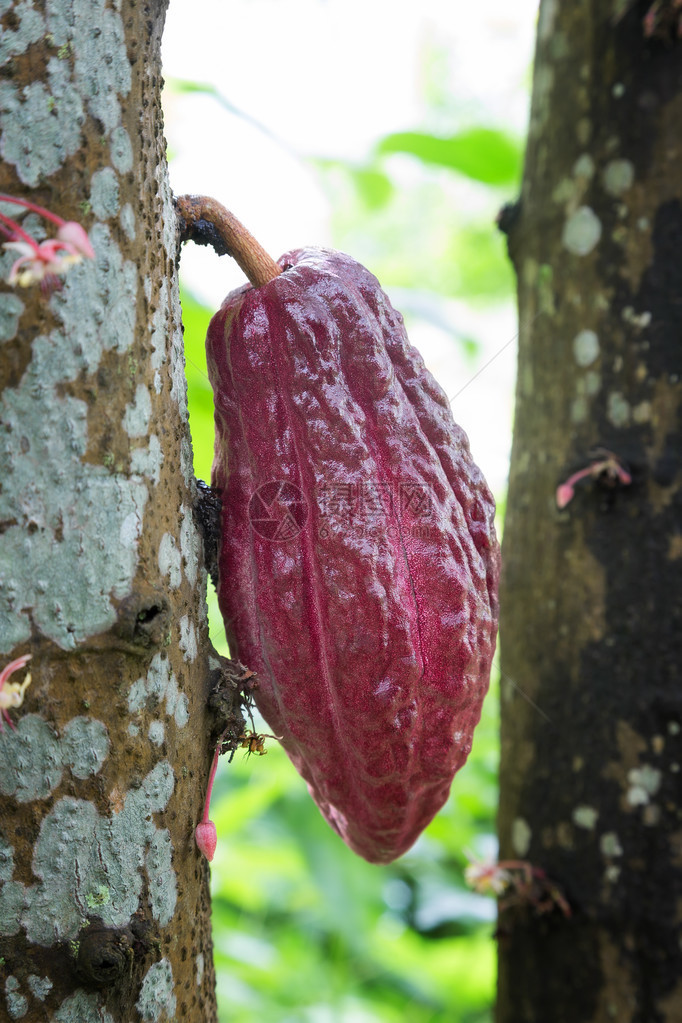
[{"x": 359, "y": 566}]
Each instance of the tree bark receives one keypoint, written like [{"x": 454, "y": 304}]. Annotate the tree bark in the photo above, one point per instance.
[
  {"x": 104, "y": 901},
  {"x": 592, "y": 593}
]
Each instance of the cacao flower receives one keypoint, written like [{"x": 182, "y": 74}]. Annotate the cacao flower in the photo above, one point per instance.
[{"x": 359, "y": 565}]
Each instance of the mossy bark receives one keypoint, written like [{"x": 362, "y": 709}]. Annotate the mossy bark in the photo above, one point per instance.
[
  {"x": 591, "y": 626},
  {"x": 104, "y": 901}
]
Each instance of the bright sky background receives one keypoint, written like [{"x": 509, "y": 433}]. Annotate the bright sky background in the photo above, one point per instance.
[{"x": 327, "y": 78}]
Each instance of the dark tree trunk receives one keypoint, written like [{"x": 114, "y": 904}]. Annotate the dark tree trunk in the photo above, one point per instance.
[
  {"x": 104, "y": 903},
  {"x": 592, "y": 594}
]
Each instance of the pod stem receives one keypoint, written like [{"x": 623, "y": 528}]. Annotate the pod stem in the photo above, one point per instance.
[{"x": 205, "y": 221}]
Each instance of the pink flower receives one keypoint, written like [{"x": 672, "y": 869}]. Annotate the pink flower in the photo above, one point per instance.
[
  {"x": 12, "y": 693},
  {"x": 517, "y": 883},
  {"x": 39, "y": 262},
  {"x": 487, "y": 878},
  {"x": 46, "y": 261}
]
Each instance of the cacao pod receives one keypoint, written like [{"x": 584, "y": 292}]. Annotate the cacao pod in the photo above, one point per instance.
[{"x": 359, "y": 565}]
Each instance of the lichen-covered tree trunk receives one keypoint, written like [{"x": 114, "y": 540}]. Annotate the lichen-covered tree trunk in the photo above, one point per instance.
[
  {"x": 104, "y": 906},
  {"x": 592, "y": 593}
]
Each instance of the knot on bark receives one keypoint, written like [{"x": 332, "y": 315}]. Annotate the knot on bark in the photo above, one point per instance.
[
  {"x": 103, "y": 955},
  {"x": 144, "y": 620}
]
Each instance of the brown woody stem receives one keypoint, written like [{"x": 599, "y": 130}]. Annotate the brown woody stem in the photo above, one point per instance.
[{"x": 205, "y": 221}]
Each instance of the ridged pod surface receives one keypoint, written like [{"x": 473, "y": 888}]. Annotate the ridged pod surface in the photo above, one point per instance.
[{"x": 359, "y": 566}]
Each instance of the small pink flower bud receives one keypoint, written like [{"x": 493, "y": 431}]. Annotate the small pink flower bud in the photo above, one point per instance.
[
  {"x": 564, "y": 494},
  {"x": 206, "y": 838},
  {"x": 73, "y": 234}
]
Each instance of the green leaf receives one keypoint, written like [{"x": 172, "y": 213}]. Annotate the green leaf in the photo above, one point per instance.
[{"x": 484, "y": 154}]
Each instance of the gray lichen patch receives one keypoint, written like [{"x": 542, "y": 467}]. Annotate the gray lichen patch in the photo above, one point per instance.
[
  {"x": 177, "y": 348},
  {"x": 127, "y": 221},
  {"x": 100, "y": 82},
  {"x": 546, "y": 289},
  {"x": 97, "y": 305},
  {"x": 582, "y": 231},
  {"x": 157, "y": 1001},
  {"x": 28, "y": 29},
  {"x": 85, "y": 746},
  {"x": 169, "y": 226},
  {"x": 584, "y": 167},
  {"x": 160, "y": 680},
  {"x": 521, "y": 836},
  {"x": 158, "y": 334},
  {"x": 31, "y": 764},
  {"x": 641, "y": 413},
  {"x": 90, "y": 866},
  {"x": 186, "y": 460},
  {"x": 137, "y": 696},
  {"x": 188, "y": 639},
  {"x": 84, "y": 78},
  {"x": 643, "y": 783},
  {"x": 41, "y": 124},
  {"x": 82, "y": 548},
  {"x": 162, "y": 884},
  {"x": 618, "y": 409},
  {"x": 40, "y": 987},
  {"x": 82, "y": 1007},
  {"x": 638, "y": 320},
  {"x": 66, "y": 557},
  {"x": 585, "y": 817},
  {"x": 609, "y": 844},
  {"x": 592, "y": 383},
  {"x": 170, "y": 560},
  {"x": 138, "y": 413},
  {"x": 11, "y": 308},
  {"x": 12, "y": 902},
  {"x": 160, "y": 684},
  {"x": 181, "y": 714},
  {"x": 104, "y": 193},
  {"x": 17, "y": 1003},
  {"x": 586, "y": 347},
  {"x": 156, "y": 732},
  {"x": 57, "y": 904},
  {"x": 618, "y": 176},
  {"x": 579, "y": 410},
  {"x": 6, "y": 859},
  {"x": 190, "y": 545},
  {"x": 121, "y": 150},
  {"x": 147, "y": 461},
  {"x": 543, "y": 85}
]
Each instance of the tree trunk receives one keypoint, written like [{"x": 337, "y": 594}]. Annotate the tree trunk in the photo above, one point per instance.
[
  {"x": 104, "y": 903},
  {"x": 592, "y": 593}
]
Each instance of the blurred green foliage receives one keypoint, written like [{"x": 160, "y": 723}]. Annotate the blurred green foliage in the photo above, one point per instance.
[
  {"x": 484, "y": 154},
  {"x": 195, "y": 319},
  {"x": 304, "y": 930}
]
